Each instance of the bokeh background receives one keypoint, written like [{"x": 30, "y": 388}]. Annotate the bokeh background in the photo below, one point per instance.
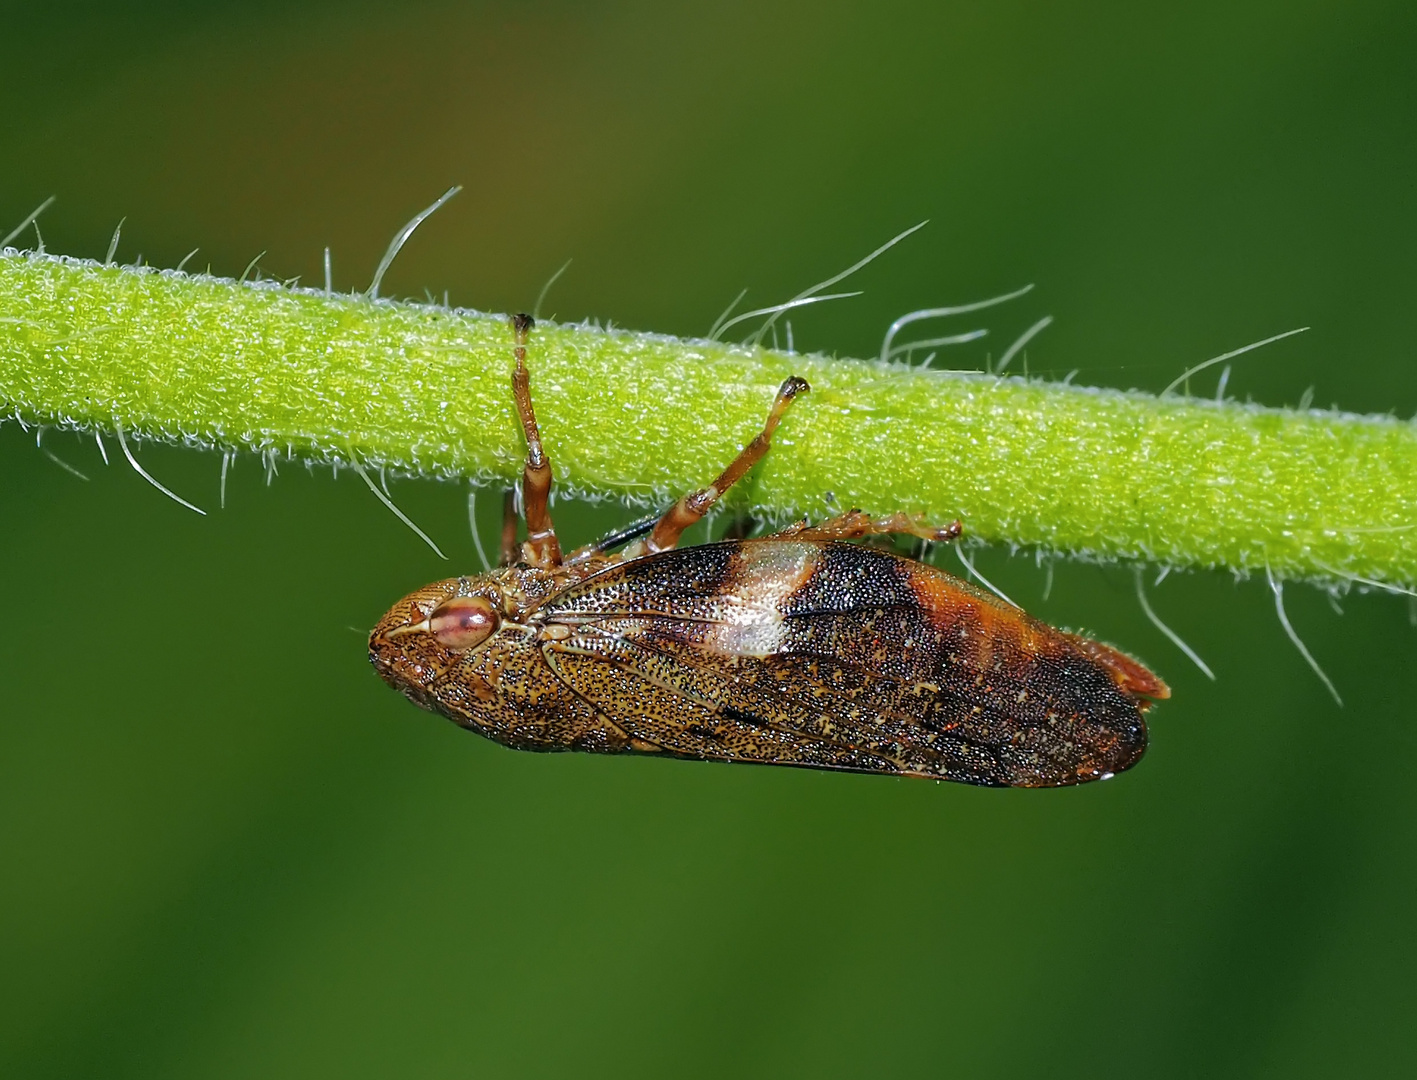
[{"x": 227, "y": 850}]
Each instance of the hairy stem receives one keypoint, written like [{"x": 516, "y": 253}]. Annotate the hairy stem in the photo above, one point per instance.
[{"x": 426, "y": 391}]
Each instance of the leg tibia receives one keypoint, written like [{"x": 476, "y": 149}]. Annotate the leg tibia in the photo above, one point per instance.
[{"x": 693, "y": 506}]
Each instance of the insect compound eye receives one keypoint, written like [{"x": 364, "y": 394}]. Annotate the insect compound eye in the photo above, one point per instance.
[{"x": 463, "y": 621}]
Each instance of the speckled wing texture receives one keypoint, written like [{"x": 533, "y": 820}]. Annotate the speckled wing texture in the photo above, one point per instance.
[{"x": 837, "y": 656}]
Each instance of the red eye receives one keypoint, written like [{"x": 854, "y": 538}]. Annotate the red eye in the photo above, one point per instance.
[{"x": 463, "y": 622}]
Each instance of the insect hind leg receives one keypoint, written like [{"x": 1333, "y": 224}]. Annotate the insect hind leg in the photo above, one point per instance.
[
  {"x": 855, "y": 524},
  {"x": 691, "y": 507}
]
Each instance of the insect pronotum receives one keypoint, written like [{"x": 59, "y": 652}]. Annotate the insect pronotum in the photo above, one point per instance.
[{"x": 793, "y": 649}]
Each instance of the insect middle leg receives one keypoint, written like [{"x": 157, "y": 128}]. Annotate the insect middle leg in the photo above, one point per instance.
[
  {"x": 693, "y": 506},
  {"x": 541, "y": 547}
]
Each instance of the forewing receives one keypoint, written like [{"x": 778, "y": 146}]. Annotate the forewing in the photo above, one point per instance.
[{"x": 838, "y": 656}]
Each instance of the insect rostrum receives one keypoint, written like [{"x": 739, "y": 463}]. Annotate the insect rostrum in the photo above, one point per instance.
[{"x": 793, "y": 649}]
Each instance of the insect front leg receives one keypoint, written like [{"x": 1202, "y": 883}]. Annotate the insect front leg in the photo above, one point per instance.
[
  {"x": 541, "y": 548},
  {"x": 693, "y": 506},
  {"x": 855, "y": 524}
]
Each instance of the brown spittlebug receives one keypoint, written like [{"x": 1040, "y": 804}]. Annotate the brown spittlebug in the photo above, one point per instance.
[{"x": 793, "y": 649}]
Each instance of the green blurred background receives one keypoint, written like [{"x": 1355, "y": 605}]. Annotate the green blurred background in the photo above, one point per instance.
[{"x": 227, "y": 850}]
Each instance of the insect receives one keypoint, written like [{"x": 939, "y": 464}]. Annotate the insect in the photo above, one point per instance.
[{"x": 793, "y": 649}]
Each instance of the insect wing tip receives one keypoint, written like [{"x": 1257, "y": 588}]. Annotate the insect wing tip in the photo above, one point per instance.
[{"x": 1132, "y": 677}]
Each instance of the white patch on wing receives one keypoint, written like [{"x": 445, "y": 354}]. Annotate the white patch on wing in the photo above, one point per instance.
[
  {"x": 747, "y": 632},
  {"x": 765, "y": 574}
]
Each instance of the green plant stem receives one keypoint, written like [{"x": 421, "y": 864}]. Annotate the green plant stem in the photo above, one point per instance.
[{"x": 424, "y": 390}]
